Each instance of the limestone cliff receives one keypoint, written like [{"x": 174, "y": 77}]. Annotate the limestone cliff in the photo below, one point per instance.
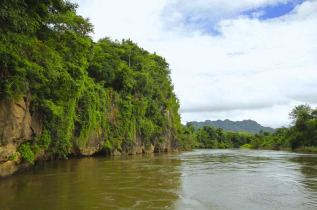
[
  {"x": 96, "y": 140},
  {"x": 18, "y": 125}
]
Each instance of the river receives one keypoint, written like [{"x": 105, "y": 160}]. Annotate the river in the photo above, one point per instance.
[{"x": 200, "y": 179}]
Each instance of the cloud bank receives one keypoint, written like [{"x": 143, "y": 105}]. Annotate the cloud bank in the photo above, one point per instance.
[{"x": 230, "y": 59}]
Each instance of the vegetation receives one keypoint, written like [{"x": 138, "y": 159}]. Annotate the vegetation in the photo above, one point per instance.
[
  {"x": 115, "y": 89},
  {"x": 302, "y": 136},
  {"x": 79, "y": 87},
  {"x": 26, "y": 152},
  {"x": 248, "y": 126},
  {"x": 12, "y": 157}
]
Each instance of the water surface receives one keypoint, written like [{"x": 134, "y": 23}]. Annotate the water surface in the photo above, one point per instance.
[{"x": 201, "y": 179}]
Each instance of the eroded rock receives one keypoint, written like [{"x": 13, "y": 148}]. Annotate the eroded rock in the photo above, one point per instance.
[{"x": 16, "y": 126}]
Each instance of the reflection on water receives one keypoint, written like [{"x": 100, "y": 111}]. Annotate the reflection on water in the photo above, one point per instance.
[
  {"x": 308, "y": 167},
  {"x": 247, "y": 179},
  {"x": 202, "y": 179},
  {"x": 123, "y": 182}
]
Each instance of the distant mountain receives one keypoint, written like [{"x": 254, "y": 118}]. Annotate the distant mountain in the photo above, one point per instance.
[{"x": 249, "y": 126}]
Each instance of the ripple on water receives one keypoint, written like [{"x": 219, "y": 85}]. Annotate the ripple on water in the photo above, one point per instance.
[
  {"x": 251, "y": 179},
  {"x": 201, "y": 179}
]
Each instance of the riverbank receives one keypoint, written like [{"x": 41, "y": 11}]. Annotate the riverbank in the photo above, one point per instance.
[
  {"x": 17, "y": 165},
  {"x": 297, "y": 150},
  {"x": 306, "y": 149},
  {"x": 199, "y": 179}
]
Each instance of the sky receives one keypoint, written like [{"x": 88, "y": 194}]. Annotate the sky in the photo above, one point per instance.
[{"x": 229, "y": 59}]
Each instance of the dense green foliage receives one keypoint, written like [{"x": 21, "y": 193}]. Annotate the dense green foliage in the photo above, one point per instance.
[
  {"x": 304, "y": 131},
  {"x": 116, "y": 90},
  {"x": 26, "y": 152},
  {"x": 210, "y": 137},
  {"x": 248, "y": 126},
  {"x": 79, "y": 87},
  {"x": 301, "y": 136}
]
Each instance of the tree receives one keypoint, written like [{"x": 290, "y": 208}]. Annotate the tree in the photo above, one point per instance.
[
  {"x": 301, "y": 113},
  {"x": 190, "y": 126},
  {"x": 104, "y": 62}
]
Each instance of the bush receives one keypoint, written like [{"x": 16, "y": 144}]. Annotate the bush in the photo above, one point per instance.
[
  {"x": 26, "y": 152},
  {"x": 255, "y": 143},
  {"x": 107, "y": 145},
  {"x": 44, "y": 140},
  {"x": 12, "y": 157},
  {"x": 246, "y": 146}
]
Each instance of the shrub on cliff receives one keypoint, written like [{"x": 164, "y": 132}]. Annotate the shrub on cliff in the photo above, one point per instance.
[{"x": 115, "y": 88}]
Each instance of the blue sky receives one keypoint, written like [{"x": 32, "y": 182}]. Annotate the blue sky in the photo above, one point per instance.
[
  {"x": 273, "y": 11},
  {"x": 205, "y": 17},
  {"x": 246, "y": 59}
]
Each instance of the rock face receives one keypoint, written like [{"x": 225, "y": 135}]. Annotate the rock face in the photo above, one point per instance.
[
  {"x": 93, "y": 145},
  {"x": 18, "y": 125}
]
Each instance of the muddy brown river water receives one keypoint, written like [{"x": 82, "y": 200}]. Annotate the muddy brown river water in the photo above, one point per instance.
[{"x": 201, "y": 179}]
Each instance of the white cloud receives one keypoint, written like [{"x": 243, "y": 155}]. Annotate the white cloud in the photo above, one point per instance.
[
  {"x": 254, "y": 70},
  {"x": 138, "y": 19},
  {"x": 184, "y": 15}
]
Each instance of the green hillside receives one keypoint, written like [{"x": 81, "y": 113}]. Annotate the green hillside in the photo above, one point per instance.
[
  {"x": 113, "y": 90},
  {"x": 249, "y": 126}
]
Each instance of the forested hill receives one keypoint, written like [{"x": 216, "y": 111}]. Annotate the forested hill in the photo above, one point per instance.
[
  {"x": 249, "y": 126},
  {"x": 61, "y": 93}
]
